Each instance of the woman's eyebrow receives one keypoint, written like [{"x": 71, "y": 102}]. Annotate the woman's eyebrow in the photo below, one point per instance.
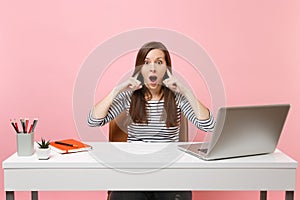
[{"x": 155, "y": 58}]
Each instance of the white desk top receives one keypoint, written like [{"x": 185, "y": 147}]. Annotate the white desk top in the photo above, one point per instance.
[{"x": 143, "y": 155}]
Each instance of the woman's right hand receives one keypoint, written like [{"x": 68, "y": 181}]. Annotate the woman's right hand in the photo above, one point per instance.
[
  {"x": 101, "y": 108},
  {"x": 131, "y": 84}
]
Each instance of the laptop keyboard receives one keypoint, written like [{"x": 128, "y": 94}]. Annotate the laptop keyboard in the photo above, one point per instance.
[{"x": 203, "y": 150}]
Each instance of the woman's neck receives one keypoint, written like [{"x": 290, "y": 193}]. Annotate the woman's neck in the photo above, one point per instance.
[{"x": 156, "y": 94}]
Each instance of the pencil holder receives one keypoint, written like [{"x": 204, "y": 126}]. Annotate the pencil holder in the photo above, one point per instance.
[{"x": 25, "y": 144}]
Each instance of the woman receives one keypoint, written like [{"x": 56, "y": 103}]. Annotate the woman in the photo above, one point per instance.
[{"x": 154, "y": 100}]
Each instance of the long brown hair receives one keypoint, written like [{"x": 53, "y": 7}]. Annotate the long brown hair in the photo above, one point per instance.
[{"x": 139, "y": 97}]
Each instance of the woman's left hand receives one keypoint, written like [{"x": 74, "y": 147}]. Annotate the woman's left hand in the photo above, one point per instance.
[{"x": 172, "y": 83}]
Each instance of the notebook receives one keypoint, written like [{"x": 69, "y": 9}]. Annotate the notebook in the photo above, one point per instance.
[
  {"x": 69, "y": 146},
  {"x": 242, "y": 131}
]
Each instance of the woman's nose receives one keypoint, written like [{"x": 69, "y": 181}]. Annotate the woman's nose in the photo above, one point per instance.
[{"x": 152, "y": 67}]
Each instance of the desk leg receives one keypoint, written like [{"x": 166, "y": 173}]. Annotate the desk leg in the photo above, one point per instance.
[
  {"x": 263, "y": 195},
  {"x": 10, "y": 195},
  {"x": 289, "y": 195},
  {"x": 34, "y": 195}
]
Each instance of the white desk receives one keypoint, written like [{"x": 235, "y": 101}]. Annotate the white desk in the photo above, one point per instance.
[{"x": 167, "y": 169}]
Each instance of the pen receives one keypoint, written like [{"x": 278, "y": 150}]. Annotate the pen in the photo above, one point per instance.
[
  {"x": 26, "y": 124},
  {"x": 34, "y": 124},
  {"x": 30, "y": 130},
  {"x": 66, "y": 144},
  {"x": 23, "y": 125},
  {"x": 14, "y": 125}
]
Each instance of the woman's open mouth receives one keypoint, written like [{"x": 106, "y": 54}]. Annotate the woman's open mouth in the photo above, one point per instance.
[{"x": 153, "y": 79}]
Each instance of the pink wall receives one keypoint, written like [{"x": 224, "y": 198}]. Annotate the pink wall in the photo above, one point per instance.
[{"x": 255, "y": 45}]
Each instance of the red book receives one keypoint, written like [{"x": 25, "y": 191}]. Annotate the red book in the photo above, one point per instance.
[{"x": 69, "y": 146}]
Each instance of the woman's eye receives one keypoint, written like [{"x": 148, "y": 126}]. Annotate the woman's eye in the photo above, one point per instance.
[
  {"x": 146, "y": 62},
  {"x": 159, "y": 62}
]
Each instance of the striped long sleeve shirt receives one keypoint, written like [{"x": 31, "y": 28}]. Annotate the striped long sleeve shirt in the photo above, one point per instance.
[{"x": 155, "y": 130}]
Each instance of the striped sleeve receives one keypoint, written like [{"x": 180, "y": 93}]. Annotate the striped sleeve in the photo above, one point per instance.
[
  {"x": 117, "y": 106},
  {"x": 186, "y": 108}
]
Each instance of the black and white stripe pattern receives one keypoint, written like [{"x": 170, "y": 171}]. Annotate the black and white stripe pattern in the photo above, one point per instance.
[{"x": 155, "y": 130}]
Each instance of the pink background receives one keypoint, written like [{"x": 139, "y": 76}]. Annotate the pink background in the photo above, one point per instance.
[{"x": 255, "y": 45}]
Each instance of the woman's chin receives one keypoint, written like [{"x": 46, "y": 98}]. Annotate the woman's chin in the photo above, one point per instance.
[{"x": 153, "y": 86}]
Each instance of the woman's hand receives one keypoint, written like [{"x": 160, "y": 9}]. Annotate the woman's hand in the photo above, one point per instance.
[
  {"x": 131, "y": 84},
  {"x": 172, "y": 83},
  {"x": 101, "y": 108}
]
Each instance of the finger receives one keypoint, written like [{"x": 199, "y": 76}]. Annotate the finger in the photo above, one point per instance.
[
  {"x": 136, "y": 75},
  {"x": 135, "y": 87},
  {"x": 168, "y": 83},
  {"x": 171, "y": 84},
  {"x": 134, "y": 83},
  {"x": 131, "y": 82},
  {"x": 169, "y": 73}
]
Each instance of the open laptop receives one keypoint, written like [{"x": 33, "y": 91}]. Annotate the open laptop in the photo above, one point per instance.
[{"x": 242, "y": 131}]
